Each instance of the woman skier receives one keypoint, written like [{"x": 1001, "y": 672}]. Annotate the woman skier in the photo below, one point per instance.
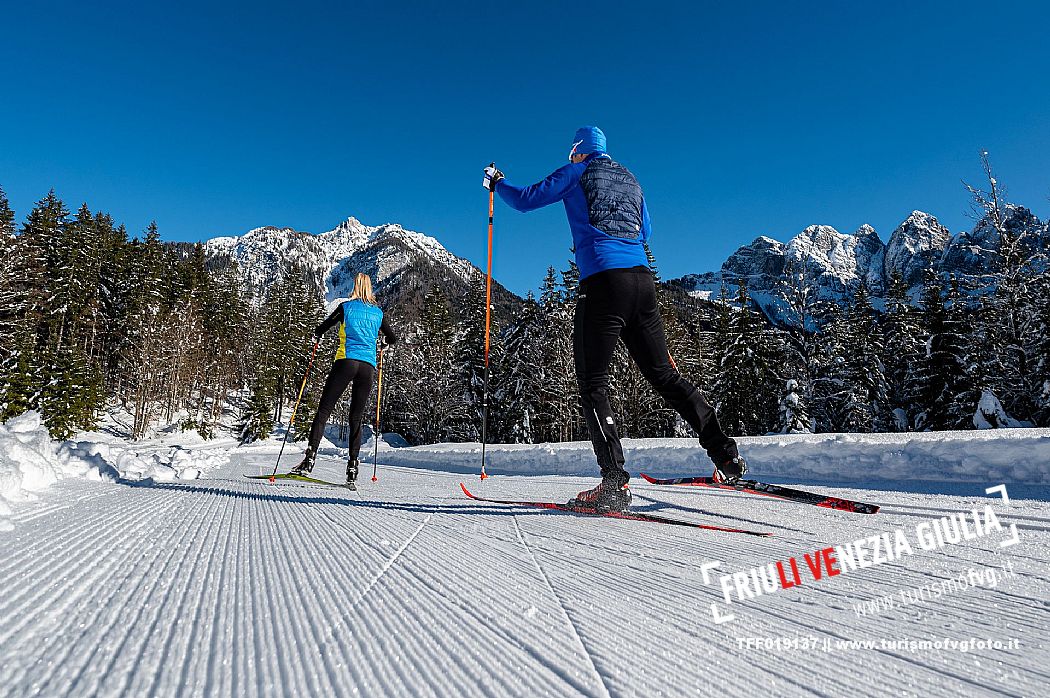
[
  {"x": 360, "y": 321},
  {"x": 617, "y": 300}
]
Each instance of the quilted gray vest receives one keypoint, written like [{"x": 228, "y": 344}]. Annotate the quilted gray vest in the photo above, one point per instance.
[{"x": 614, "y": 198}]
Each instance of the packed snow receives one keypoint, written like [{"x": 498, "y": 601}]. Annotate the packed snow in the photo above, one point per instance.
[{"x": 122, "y": 579}]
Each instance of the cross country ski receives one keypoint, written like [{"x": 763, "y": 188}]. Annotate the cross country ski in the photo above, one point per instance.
[
  {"x": 303, "y": 478},
  {"x": 776, "y": 491},
  {"x": 612, "y": 513}
]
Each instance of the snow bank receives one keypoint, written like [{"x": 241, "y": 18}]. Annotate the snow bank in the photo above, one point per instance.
[
  {"x": 30, "y": 461},
  {"x": 999, "y": 455},
  {"x": 166, "y": 465}
]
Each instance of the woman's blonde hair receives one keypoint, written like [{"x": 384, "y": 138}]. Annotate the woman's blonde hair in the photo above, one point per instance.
[{"x": 363, "y": 289}]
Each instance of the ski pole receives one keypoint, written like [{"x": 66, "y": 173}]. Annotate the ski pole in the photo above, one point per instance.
[
  {"x": 488, "y": 316},
  {"x": 291, "y": 420},
  {"x": 375, "y": 433}
]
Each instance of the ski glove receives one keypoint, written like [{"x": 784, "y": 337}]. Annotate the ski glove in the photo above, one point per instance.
[{"x": 492, "y": 177}]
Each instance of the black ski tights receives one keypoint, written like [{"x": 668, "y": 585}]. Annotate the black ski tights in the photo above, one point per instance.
[
  {"x": 344, "y": 372},
  {"x": 621, "y": 304}
]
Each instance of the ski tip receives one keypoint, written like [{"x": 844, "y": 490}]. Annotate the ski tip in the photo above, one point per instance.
[
  {"x": 648, "y": 479},
  {"x": 466, "y": 491}
]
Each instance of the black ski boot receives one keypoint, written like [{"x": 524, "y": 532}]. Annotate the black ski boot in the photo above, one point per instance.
[
  {"x": 729, "y": 472},
  {"x": 351, "y": 473},
  {"x": 609, "y": 495},
  {"x": 307, "y": 465}
]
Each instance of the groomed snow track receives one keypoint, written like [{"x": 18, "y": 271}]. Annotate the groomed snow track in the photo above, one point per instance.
[{"x": 225, "y": 586}]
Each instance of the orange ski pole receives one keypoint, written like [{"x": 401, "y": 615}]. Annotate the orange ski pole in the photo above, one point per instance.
[{"x": 488, "y": 322}]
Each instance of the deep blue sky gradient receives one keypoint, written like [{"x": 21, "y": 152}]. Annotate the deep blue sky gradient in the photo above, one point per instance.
[{"x": 739, "y": 119}]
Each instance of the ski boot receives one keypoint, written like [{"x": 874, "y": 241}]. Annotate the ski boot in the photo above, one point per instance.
[
  {"x": 609, "y": 495},
  {"x": 730, "y": 471},
  {"x": 307, "y": 465},
  {"x": 351, "y": 474}
]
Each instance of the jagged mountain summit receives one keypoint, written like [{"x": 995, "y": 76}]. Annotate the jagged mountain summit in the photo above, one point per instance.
[
  {"x": 835, "y": 263},
  {"x": 386, "y": 252}
]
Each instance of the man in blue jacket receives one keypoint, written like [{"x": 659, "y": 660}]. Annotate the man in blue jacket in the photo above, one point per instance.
[{"x": 617, "y": 300}]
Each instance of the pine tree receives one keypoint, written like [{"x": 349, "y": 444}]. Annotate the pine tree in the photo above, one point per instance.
[
  {"x": 868, "y": 406},
  {"x": 257, "y": 421},
  {"x": 832, "y": 390},
  {"x": 945, "y": 394},
  {"x": 33, "y": 310},
  {"x": 1017, "y": 261},
  {"x": 1038, "y": 346},
  {"x": 524, "y": 375},
  {"x": 20, "y": 386},
  {"x": 902, "y": 349},
  {"x": 745, "y": 404},
  {"x": 422, "y": 400},
  {"x": 803, "y": 349},
  {"x": 9, "y": 292},
  {"x": 559, "y": 419},
  {"x": 794, "y": 417},
  {"x": 468, "y": 366}
]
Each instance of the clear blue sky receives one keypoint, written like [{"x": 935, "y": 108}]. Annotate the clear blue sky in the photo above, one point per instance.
[{"x": 739, "y": 119}]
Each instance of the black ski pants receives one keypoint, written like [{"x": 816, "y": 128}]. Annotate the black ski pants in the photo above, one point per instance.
[
  {"x": 344, "y": 373},
  {"x": 621, "y": 304}
]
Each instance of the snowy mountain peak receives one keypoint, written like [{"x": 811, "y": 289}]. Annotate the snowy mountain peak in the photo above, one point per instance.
[
  {"x": 916, "y": 245},
  {"x": 265, "y": 255},
  {"x": 836, "y": 261},
  {"x": 866, "y": 232}
]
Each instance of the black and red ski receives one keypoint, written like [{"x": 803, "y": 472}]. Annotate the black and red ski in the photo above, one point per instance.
[
  {"x": 776, "y": 491},
  {"x": 627, "y": 515}
]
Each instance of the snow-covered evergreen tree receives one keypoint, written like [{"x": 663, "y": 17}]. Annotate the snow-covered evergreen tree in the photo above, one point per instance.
[
  {"x": 559, "y": 418},
  {"x": 946, "y": 395},
  {"x": 524, "y": 375},
  {"x": 794, "y": 417},
  {"x": 868, "y": 406},
  {"x": 421, "y": 393},
  {"x": 1038, "y": 346},
  {"x": 1018, "y": 260},
  {"x": 9, "y": 291},
  {"x": 745, "y": 404},
  {"x": 902, "y": 350},
  {"x": 468, "y": 365}
]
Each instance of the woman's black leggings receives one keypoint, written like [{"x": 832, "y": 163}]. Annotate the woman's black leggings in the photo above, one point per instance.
[{"x": 344, "y": 372}]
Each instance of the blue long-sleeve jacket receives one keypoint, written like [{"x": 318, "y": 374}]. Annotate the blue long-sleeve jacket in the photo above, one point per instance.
[{"x": 617, "y": 201}]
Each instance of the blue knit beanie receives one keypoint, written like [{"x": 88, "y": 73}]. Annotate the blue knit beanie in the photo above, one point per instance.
[{"x": 590, "y": 139}]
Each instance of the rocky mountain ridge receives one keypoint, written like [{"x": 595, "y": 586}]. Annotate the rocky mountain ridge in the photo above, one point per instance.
[{"x": 835, "y": 263}]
